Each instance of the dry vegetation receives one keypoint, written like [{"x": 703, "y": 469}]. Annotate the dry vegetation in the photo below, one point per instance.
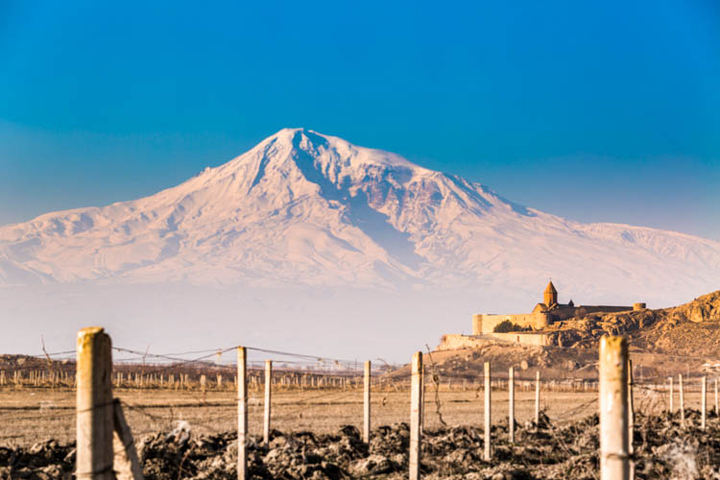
[{"x": 29, "y": 416}]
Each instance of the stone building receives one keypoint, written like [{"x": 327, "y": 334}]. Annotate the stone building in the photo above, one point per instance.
[{"x": 544, "y": 314}]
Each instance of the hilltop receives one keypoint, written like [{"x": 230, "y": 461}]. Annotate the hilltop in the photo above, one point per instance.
[
  {"x": 680, "y": 339},
  {"x": 692, "y": 329}
]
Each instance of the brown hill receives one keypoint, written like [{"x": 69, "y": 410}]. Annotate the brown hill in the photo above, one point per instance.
[
  {"x": 692, "y": 329},
  {"x": 683, "y": 339}
]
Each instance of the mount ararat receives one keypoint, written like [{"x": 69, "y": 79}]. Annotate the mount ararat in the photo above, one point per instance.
[
  {"x": 303, "y": 208},
  {"x": 306, "y": 212}
]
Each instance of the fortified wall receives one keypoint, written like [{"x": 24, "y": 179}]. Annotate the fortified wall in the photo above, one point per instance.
[{"x": 484, "y": 323}]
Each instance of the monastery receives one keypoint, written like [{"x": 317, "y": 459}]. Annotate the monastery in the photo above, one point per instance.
[{"x": 544, "y": 314}]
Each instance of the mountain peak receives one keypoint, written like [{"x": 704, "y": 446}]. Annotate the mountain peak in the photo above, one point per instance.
[{"x": 334, "y": 148}]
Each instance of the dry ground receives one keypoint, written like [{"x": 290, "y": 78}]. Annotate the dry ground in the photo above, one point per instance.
[{"x": 28, "y": 416}]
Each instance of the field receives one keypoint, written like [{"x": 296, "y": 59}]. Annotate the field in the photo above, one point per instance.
[
  {"x": 29, "y": 416},
  {"x": 37, "y": 423},
  {"x": 190, "y": 433}
]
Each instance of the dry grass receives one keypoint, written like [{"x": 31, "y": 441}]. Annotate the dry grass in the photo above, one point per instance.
[{"x": 31, "y": 415}]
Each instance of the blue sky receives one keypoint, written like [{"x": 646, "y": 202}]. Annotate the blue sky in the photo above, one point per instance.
[{"x": 604, "y": 112}]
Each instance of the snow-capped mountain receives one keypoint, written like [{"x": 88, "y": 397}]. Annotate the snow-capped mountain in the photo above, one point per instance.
[{"x": 307, "y": 209}]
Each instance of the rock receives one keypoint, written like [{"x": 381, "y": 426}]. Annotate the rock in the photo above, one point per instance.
[{"x": 372, "y": 465}]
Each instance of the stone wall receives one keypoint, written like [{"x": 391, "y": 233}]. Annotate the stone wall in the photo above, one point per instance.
[
  {"x": 484, "y": 324},
  {"x": 457, "y": 342},
  {"x": 564, "y": 313},
  {"x": 536, "y": 339}
]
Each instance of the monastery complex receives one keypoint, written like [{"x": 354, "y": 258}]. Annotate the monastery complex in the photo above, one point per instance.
[
  {"x": 544, "y": 314},
  {"x": 534, "y": 328}
]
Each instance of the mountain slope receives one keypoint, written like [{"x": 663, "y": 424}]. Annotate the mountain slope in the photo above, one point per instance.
[{"x": 303, "y": 208}]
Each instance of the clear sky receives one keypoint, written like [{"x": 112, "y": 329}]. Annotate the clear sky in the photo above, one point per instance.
[{"x": 604, "y": 112}]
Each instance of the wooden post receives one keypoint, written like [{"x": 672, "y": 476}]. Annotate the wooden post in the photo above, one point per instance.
[
  {"x": 614, "y": 463},
  {"x": 682, "y": 399},
  {"x": 95, "y": 426},
  {"x": 268, "y": 395},
  {"x": 511, "y": 405},
  {"x": 415, "y": 400},
  {"x": 242, "y": 412},
  {"x": 537, "y": 398},
  {"x": 716, "y": 397},
  {"x": 422, "y": 399},
  {"x": 703, "y": 403},
  {"x": 488, "y": 417},
  {"x": 366, "y": 402},
  {"x": 672, "y": 395},
  {"x": 631, "y": 407}
]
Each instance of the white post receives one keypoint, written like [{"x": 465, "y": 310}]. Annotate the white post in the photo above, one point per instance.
[
  {"x": 487, "y": 411},
  {"x": 415, "y": 399},
  {"x": 422, "y": 399},
  {"x": 631, "y": 407},
  {"x": 537, "y": 398},
  {"x": 268, "y": 388},
  {"x": 682, "y": 399},
  {"x": 613, "y": 409},
  {"x": 511, "y": 405},
  {"x": 672, "y": 395},
  {"x": 95, "y": 407},
  {"x": 366, "y": 402},
  {"x": 703, "y": 402},
  {"x": 242, "y": 413}
]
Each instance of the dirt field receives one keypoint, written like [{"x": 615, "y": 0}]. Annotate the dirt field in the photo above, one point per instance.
[
  {"x": 28, "y": 416},
  {"x": 188, "y": 435}
]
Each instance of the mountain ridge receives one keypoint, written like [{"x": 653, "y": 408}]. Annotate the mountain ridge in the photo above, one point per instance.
[{"x": 302, "y": 208}]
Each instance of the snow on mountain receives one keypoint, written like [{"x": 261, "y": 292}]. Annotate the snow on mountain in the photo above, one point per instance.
[{"x": 307, "y": 209}]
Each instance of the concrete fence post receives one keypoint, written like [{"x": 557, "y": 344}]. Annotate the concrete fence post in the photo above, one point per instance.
[
  {"x": 95, "y": 407},
  {"x": 268, "y": 398},
  {"x": 703, "y": 403},
  {"x": 537, "y": 398},
  {"x": 242, "y": 412},
  {"x": 672, "y": 395},
  {"x": 511, "y": 405},
  {"x": 415, "y": 400},
  {"x": 631, "y": 407},
  {"x": 366, "y": 402},
  {"x": 422, "y": 399},
  {"x": 614, "y": 463},
  {"x": 682, "y": 399},
  {"x": 487, "y": 412}
]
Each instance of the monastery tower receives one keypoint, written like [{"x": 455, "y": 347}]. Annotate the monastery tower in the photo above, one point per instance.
[{"x": 550, "y": 296}]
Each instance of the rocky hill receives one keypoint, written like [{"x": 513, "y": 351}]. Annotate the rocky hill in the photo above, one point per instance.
[
  {"x": 683, "y": 339},
  {"x": 692, "y": 329}
]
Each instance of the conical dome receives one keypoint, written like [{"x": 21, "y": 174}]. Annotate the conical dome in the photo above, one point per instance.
[{"x": 550, "y": 296}]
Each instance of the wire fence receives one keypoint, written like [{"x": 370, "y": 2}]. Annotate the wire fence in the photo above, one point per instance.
[{"x": 161, "y": 391}]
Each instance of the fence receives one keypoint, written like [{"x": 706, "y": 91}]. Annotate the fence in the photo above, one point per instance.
[{"x": 96, "y": 408}]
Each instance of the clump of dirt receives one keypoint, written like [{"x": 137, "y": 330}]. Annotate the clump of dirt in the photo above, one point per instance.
[{"x": 663, "y": 449}]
